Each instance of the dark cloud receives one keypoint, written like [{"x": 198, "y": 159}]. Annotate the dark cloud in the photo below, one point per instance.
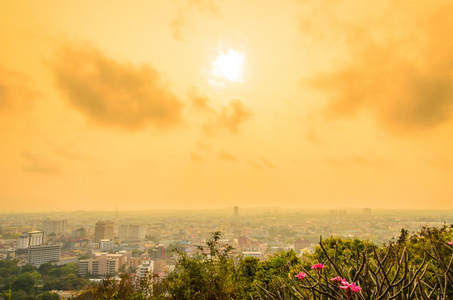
[
  {"x": 113, "y": 93},
  {"x": 36, "y": 164},
  {"x": 226, "y": 156},
  {"x": 229, "y": 117},
  {"x": 405, "y": 80}
]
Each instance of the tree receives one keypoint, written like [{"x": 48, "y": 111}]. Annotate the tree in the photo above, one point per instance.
[
  {"x": 27, "y": 268},
  {"x": 24, "y": 282},
  {"x": 48, "y": 296},
  {"x": 45, "y": 268}
]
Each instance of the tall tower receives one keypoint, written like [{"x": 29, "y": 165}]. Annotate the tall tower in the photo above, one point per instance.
[
  {"x": 236, "y": 211},
  {"x": 103, "y": 231}
]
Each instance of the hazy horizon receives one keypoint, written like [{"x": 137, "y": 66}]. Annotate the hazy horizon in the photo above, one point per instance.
[{"x": 194, "y": 104}]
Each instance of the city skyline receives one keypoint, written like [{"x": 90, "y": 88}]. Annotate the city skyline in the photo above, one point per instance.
[{"x": 212, "y": 104}]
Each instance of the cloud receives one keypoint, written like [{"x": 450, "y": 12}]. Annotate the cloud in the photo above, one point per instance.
[
  {"x": 268, "y": 163},
  {"x": 442, "y": 163},
  {"x": 229, "y": 117},
  {"x": 179, "y": 21},
  {"x": 356, "y": 160},
  {"x": 234, "y": 114},
  {"x": 226, "y": 156},
  {"x": 402, "y": 73},
  {"x": 35, "y": 164},
  {"x": 195, "y": 157},
  {"x": 254, "y": 164},
  {"x": 114, "y": 93},
  {"x": 16, "y": 90}
]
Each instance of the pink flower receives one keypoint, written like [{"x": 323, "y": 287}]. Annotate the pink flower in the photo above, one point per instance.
[
  {"x": 337, "y": 279},
  {"x": 317, "y": 266},
  {"x": 354, "y": 287},
  {"x": 349, "y": 286},
  {"x": 450, "y": 243},
  {"x": 301, "y": 276}
]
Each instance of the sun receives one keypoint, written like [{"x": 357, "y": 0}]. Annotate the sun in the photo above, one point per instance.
[{"x": 229, "y": 65}]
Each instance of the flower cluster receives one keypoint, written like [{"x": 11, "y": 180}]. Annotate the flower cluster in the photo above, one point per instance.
[
  {"x": 351, "y": 286},
  {"x": 300, "y": 276},
  {"x": 337, "y": 279},
  {"x": 450, "y": 243},
  {"x": 343, "y": 284},
  {"x": 317, "y": 267}
]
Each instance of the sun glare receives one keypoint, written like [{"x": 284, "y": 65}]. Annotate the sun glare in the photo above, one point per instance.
[{"x": 228, "y": 65}]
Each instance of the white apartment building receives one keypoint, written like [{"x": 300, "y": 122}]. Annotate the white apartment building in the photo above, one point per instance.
[
  {"x": 144, "y": 270},
  {"x": 32, "y": 238},
  {"x": 41, "y": 254},
  {"x": 106, "y": 245}
]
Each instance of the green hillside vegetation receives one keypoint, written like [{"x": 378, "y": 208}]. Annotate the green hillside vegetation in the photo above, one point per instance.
[{"x": 417, "y": 266}]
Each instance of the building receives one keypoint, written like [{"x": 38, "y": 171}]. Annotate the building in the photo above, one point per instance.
[
  {"x": 106, "y": 245},
  {"x": 244, "y": 242},
  {"x": 98, "y": 266},
  {"x": 236, "y": 211},
  {"x": 32, "y": 238},
  {"x": 54, "y": 226},
  {"x": 79, "y": 233},
  {"x": 134, "y": 262},
  {"x": 144, "y": 270},
  {"x": 255, "y": 254},
  {"x": 132, "y": 231},
  {"x": 301, "y": 244},
  {"x": 103, "y": 231},
  {"x": 159, "y": 266},
  {"x": 157, "y": 252},
  {"x": 103, "y": 263},
  {"x": 41, "y": 254}
]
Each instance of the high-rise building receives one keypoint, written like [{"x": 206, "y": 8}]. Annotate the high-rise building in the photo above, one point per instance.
[
  {"x": 157, "y": 252},
  {"x": 54, "y": 226},
  {"x": 41, "y": 254},
  {"x": 132, "y": 231},
  {"x": 144, "y": 270},
  {"x": 32, "y": 238},
  {"x": 103, "y": 231}
]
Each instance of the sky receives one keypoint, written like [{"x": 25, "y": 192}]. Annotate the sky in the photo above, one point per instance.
[{"x": 191, "y": 104}]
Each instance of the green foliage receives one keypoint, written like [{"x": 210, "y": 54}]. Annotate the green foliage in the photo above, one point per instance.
[
  {"x": 205, "y": 276},
  {"x": 48, "y": 296},
  {"x": 24, "y": 282},
  {"x": 124, "y": 289},
  {"x": 45, "y": 268},
  {"x": 27, "y": 268}
]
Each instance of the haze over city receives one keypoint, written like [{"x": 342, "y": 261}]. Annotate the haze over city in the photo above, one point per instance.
[{"x": 210, "y": 104}]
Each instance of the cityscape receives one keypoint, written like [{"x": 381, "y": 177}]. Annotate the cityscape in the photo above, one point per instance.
[
  {"x": 108, "y": 243},
  {"x": 226, "y": 149}
]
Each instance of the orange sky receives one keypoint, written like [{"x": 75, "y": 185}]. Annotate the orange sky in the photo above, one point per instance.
[{"x": 333, "y": 104}]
